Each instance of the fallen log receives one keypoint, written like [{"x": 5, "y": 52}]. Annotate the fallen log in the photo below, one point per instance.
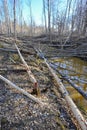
[
  {"x": 12, "y": 70},
  {"x": 15, "y": 51},
  {"x": 31, "y": 76},
  {"x": 21, "y": 90},
  {"x": 43, "y": 105},
  {"x": 82, "y": 122},
  {"x": 77, "y": 114},
  {"x": 8, "y": 40},
  {"x": 68, "y": 45},
  {"x": 79, "y": 89},
  {"x": 71, "y": 70}
]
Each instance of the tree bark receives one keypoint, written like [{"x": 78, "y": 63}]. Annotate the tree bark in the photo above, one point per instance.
[
  {"x": 44, "y": 13},
  {"x": 49, "y": 19},
  {"x": 14, "y": 20}
]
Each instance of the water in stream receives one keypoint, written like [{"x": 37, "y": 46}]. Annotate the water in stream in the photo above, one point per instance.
[{"x": 76, "y": 69}]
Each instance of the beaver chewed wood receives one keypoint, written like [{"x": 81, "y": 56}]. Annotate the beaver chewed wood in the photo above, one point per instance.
[
  {"x": 31, "y": 76},
  {"x": 21, "y": 90}
]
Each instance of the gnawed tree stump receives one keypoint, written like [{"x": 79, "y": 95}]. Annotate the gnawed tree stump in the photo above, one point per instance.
[
  {"x": 31, "y": 76},
  {"x": 21, "y": 90}
]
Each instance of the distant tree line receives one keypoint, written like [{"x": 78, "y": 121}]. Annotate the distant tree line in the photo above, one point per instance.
[{"x": 69, "y": 18}]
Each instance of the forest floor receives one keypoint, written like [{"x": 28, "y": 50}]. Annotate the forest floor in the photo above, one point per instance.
[{"x": 18, "y": 112}]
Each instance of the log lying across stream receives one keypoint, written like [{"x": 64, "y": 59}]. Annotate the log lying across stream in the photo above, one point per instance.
[
  {"x": 79, "y": 89},
  {"x": 79, "y": 117}
]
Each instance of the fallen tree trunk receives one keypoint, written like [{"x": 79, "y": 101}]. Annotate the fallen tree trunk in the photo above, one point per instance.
[
  {"x": 31, "y": 76},
  {"x": 79, "y": 117},
  {"x": 79, "y": 89},
  {"x": 71, "y": 70},
  {"x": 12, "y": 70},
  {"x": 82, "y": 122},
  {"x": 15, "y": 51},
  {"x": 21, "y": 90},
  {"x": 8, "y": 40}
]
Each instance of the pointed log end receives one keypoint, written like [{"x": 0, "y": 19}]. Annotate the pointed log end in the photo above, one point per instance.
[{"x": 36, "y": 90}]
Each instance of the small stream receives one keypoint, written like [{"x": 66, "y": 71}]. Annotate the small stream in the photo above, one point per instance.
[{"x": 76, "y": 70}]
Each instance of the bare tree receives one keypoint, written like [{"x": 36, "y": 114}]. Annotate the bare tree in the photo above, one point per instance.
[
  {"x": 30, "y": 30},
  {"x": 21, "y": 22},
  {"x": 49, "y": 18},
  {"x": 44, "y": 13},
  {"x": 31, "y": 19},
  {"x": 20, "y": 15},
  {"x": 1, "y": 29},
  {"x": 14, "y": 19},
  {"x": 6, "y": 14},
  {"x": 85, "y": 20}
]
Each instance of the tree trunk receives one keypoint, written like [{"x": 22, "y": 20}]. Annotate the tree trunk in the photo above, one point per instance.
[
  {"x": 79, "y": 117},
  {"x": 44, "y": 12},
  {"x": 14, "y": 20},
  {"x": 6, "y": 13},
  {"x": 49, "y": 19},
  {"x": 31, "y": 76}
]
